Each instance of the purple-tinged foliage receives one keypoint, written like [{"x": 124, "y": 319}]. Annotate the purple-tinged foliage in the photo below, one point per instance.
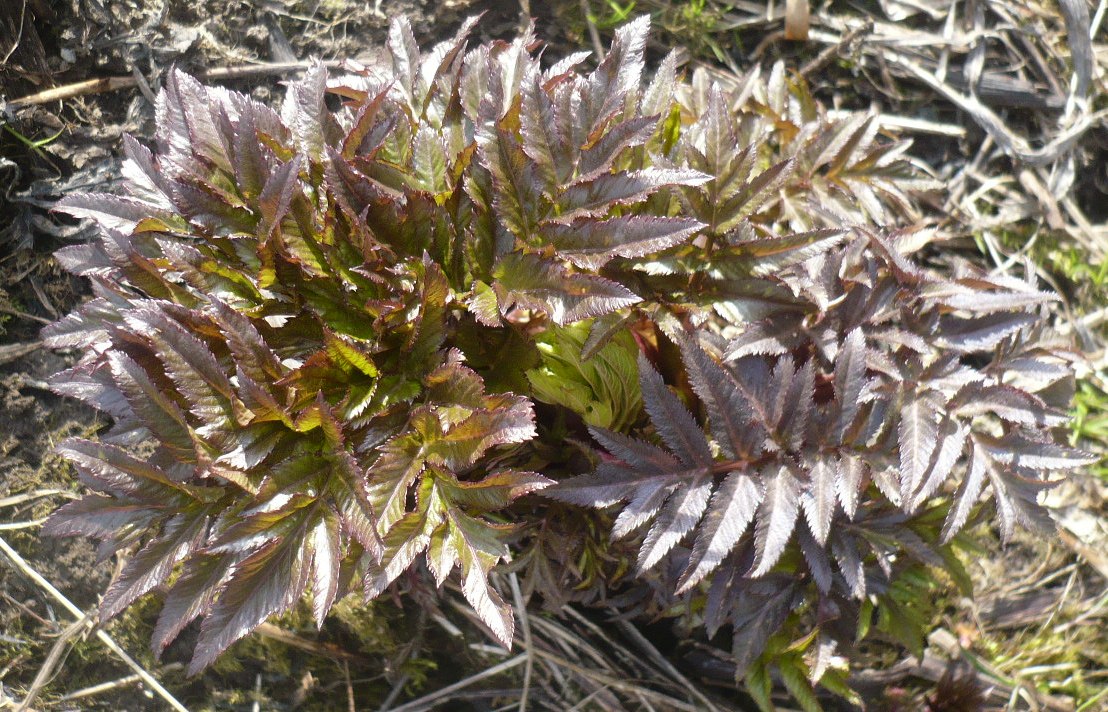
[{"x": 320, "y": 328}]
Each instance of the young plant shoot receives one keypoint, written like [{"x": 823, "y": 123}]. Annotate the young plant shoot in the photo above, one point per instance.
[{"x": 461, "y": 310}]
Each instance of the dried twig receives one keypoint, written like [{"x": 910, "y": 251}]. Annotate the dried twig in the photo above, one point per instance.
[
  {"x": 15, "y": 499},
  {"x": 394, "y": 693},
  {"x": 1014, "y": 145},
  {"x": 144, "y": 86},
  {"x": 53, "y": 659},
  {"x": 660, "y": 660},
  {"x": 19, "y": 34},
  {"x": 10, "y": 352},
  {"x": 100, "y": 688},
  {"x": 7, "y": 309},
  {"x": 351, "y": 706},
  {"x": 273, "y": 632},
  {"x": 1034, "y": 185},
  {"x": 30, "y": 524},
  {"x": 68, "y": 91},
  {"x": 828, "y": 53},
  {"x": 21, "y": 565},
  {"x": 1096, "y": 559},
  {"x": 891, "y": 44},
  {"x": 429, "y": 701},
  {"x": 797, "y": 20},
  {"x": 906, "y": 123},
  {"x": 106, "y": 84},
  {"x": 616, "y": 683},
  {"x": 594, "y": 36},
  {"x": 528, "y": 645}
]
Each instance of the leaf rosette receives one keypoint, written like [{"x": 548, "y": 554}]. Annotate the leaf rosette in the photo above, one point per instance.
[{"x": 323, "y": 334}]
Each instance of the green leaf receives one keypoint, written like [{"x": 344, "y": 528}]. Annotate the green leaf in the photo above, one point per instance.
[
  {"x": 795, "y": 677},
  {"x": 474, "y": 546},
  {"x": 529, "y": 282},
  {"x": 429, "y": 161},
  {"x": 759, "y": 685},
  {"x": 267, "y": 581},
  {"x": 590, "y": 244},
  {"x": 389, "y": 478},
  {"x": 155, "y": 408},
  {"x": 776, "y": 518},
  {"x": 597, "y": 196},
  {"x": 511, "y": 420},
  {"x": 496, "y": 491},
  {"x": 674, "y": 422},
  {"x": 729, "y": 514},
  {"x": 151, "y": 566},
  {"x": 192, "y": 594},
  {"x": 429, "y": 328},
  {"x": 113, "y": 469},
  {"x": 602, "y": 389}
]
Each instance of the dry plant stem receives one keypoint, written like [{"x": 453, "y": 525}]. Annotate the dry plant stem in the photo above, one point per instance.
[
  {"x": 68, "y": 91},
  {"x": 1076, "y": 16},
  {"x": 822, "y": 59},
  {"x": 797, "y": 20},
  {"x": 21, "y": 565},
  {"x": 1034, "y": 185},
  {"x": 46, "y": 623},
  {"x": 594, "y": 36},
  {"x": 22, "y": 314},
  {"x": 8, "y": 526},
  {"x": 397, "y": 688},
  {"x": 12, "y": 664},
  {"x": 10, "y": 352},
  {"x": 106, "y": 84},
  {"x": 1091, "y": 556},
  {"x": 645, "y": 702},
  {"x": 428, "y": 701},
  {"x": 1015, "y": 146},
  {"x": 103, "y": 687},
  {"x": 933, "y": 667},
  {"x": 350, "y": 705},
  {"x": 583, "y": 704},
  {"x": 593, "y": 668},
  {"x": 945, "y": 641},
  {"x": 28, "y": 496},
  {"x": 53, "y": 658},
  {"x": 43, "y": 299},
  {"x": 909, "y": 123},
  {"x": 525, "y": 625},
  {"x": 640, "y": 640},
  {"x": 766, "y": 43},
  {"x": 1090, "y": 612},
  {"x": 578, "y": 649},
  {"x": 1089, "y": 237},
  {"x": 1057, "y": 608},
  {"x": 580, "y": 645},
  {"x": 19, "y": 36},
  {"x": 144, "y": 86},
  {"x": 1097, "y": 18},
  {"x": 1089, "y": 321},
  {"x": 273, "y": 632},
  {"x": 615, "y": 683}
]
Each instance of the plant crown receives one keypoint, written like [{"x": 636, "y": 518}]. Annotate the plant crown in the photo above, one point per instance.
[{"x": 323, "y": 335}]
